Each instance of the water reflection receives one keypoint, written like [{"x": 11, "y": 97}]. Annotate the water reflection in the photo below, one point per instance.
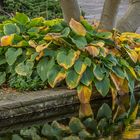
[{"x": 100, "y": 120}]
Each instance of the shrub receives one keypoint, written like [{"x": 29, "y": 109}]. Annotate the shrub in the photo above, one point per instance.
[
  {"x": 33, "y": 8},
  {"x": 52, "y": 53}
]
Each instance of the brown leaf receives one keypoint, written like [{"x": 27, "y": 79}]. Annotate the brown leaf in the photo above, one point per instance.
[
  {"x": 84, "y": 93},
  {"x": 118, "y": 82},
  {"x": 114, "y": 95},
  {"x": 77, "y": 27},
  {"x": 85, "y": 110},
  {"x": 92, "y": 50}
]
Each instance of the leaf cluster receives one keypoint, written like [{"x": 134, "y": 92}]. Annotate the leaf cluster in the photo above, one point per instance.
[{"x": 76, "y": 55}]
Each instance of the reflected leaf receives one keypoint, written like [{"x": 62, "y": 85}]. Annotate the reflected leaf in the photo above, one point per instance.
[
  {"x": 85, "y": 111},
  {"x": 76, "y": 125}
]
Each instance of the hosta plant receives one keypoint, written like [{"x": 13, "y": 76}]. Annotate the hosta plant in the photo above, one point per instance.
[{"x": 36, "y": 53}]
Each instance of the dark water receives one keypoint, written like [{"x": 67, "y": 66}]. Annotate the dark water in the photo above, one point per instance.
[{"x": 121, "y": 123}]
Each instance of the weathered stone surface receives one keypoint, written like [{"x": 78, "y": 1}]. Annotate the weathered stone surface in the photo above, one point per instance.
[{"x": 14, "y": 104}]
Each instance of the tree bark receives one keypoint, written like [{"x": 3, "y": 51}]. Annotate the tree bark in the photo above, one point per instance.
[
  {"x": 131, "y": 19},
  {"x": 1, "y": 3},
  {"x": 70, "y": 9},
  {"x": 109, "y": 14}
]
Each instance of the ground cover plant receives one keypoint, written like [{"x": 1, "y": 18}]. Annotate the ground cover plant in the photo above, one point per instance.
[{"x": 38, "y": 53}]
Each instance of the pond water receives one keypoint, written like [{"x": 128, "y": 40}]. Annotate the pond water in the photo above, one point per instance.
[{"x": 99, "y": 120}]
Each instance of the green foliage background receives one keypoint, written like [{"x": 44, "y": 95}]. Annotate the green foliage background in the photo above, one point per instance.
[{"x": 33, "y": 8}]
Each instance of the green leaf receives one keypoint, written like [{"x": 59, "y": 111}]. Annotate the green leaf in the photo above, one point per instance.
[
  {"x": 2, "y": 77},
  {"x": 55, "y": 75},
  {"x": 85, "y": 135},
  {"x": 35, "y": 22},
  {"x": 76, "y": 125},
  {"x": 79, "y": 41},
  {"x": 87, "y": 77},
  {"x": 118, "y": 71},
  {"x": 72, "y": 79},
  {"x": 112, "y": 59},
  {"x": 131, "y": 80},
  {"x": 33, "y": 30},
  {"x": 104, "y": 112},
  {"x": 42, "y": 69},
  {"x": 2, "y": 60},
  {"x": 104, "y": 35},
  {"x": 47, "y": 131},
  {"x": 65, "y": 32},
  {"x": 21, "y": 18},
  {"x": 102, "y": 125},
  {"x": 11, "y": 28},
  {"x": 91, "y": 124},
  {"x": 132, "y": 104},
  {"x": 16, "y": 137},
  {"x": 98, "y": 72},
  {"x": 87, "y": 61},
  {"x": 71, "y": 138},
  {"x": 103, "y": 86},
  {"x": 30, "y": 133},
  {"x": 80, "y": 66},
  {"x": 12, "y": 55},
  {"x": 59, "y": 129},
  {"x": 66, "y": 60},
  {"x": 24, "y": 69}
]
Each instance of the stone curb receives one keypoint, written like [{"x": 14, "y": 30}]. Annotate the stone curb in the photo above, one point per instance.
[{"x": 18, "y": 104}]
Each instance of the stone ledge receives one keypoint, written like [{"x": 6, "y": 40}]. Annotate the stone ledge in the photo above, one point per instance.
[{"x": 14, "y": 104}]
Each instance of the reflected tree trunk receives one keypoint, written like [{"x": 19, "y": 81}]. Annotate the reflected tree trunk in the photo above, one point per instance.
[{"x": 70, "y": 10}]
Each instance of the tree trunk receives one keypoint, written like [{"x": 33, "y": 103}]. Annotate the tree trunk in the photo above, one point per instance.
[
  {"x": 109, "y": 14},
  {"x": 70, "y": 10},
  {"x": 1, "y": 3},
  {"x": 131, "y": 20}
]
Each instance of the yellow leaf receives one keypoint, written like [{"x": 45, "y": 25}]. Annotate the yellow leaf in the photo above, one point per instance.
[
  {"x": 131, "y": 135},
  {"x": 84, "y": 93},
  {"x": 139, "y": 57},
  {"x": 137, "y": 49},
  {"x": 130, "y": 34},
  {"x": 52, "y": 36},
  {"x": 124, "y": 89},
  {"x": 61, "y": 76},
  {"x": 120, "y": 84},
  {"x": 116, "y": 80},
  {"x": 92, "y": 50},
  {"x": 41, "y": 47},
  {"x": 6, "y": 40},
  {"x": 114, "y": 95},
  {"x": 133, "y": 55},
  {"x": 77, "y": 27},
  {"x": 120, "y": 110},
  {"x": 98, "y": 44},
  {"x": 114, "y": 51},
  {"x": 85, "y": 110},
  {"x": 41, "y": 54},
  {"x": 133, "y": 72},
  {"x": 134, "y": 114},
  {"x": 32, "y": 43}
]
